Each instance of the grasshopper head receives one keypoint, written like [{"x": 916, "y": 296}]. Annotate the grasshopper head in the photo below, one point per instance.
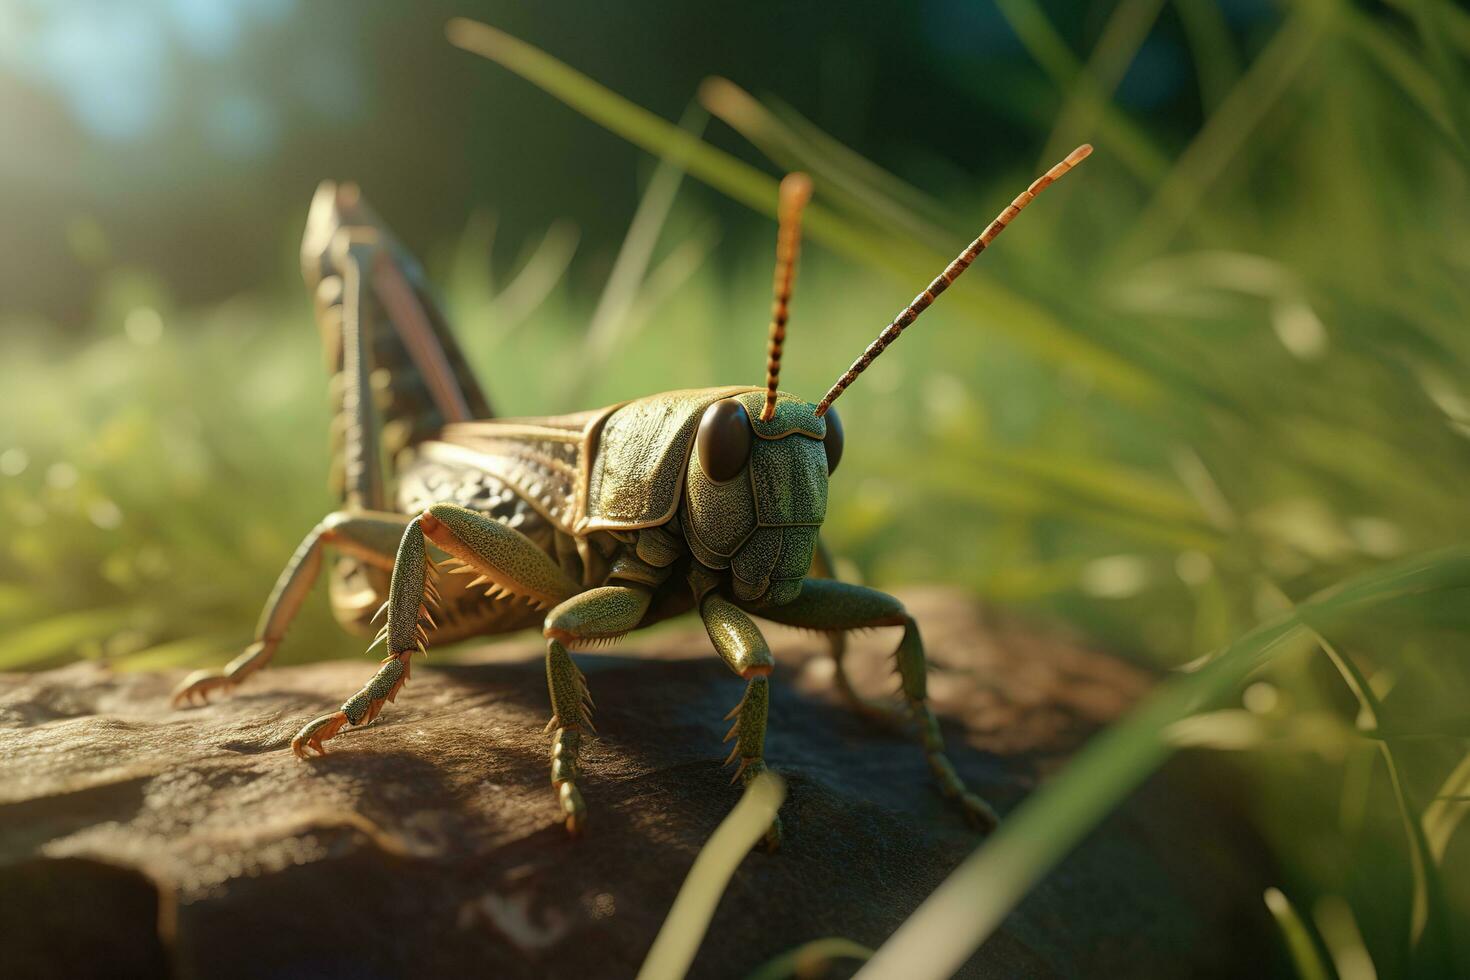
[
  {"x": 756, "y": 487},
  {"x": 756, "y": 491}
]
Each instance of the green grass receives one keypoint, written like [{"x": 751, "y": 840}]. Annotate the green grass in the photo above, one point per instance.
[{"x": 1209, "y": 405}]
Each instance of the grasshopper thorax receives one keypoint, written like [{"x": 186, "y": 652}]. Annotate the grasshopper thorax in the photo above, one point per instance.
[{"x": 748, "y": 495}]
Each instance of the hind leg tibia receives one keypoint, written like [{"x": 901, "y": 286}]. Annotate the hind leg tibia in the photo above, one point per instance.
[
  {"x": 370, "y": 537},
  {"x": 510, "y": 561},
  {"x": 411, "y": 594}
]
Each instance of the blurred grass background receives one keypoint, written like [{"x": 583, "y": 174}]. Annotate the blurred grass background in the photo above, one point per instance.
[{"x": 1219, "y": 369}]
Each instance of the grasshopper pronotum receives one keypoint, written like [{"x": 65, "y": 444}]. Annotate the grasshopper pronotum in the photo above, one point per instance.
[{"x": 588, "y": 525}]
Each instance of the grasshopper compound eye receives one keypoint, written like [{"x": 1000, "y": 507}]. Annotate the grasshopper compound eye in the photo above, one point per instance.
[
  {"x": 723, "y": 442},
  {"x": 833, "y": 441}
]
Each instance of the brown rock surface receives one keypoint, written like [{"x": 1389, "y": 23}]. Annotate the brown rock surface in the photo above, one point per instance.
[{"x": 425, "y": 845}]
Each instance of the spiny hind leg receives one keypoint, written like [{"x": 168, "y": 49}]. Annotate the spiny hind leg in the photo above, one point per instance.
[
  {"x": 369, "y": 537},
  {"x": 597, "y": 614},
  {"x": 825, "y": 604},
  {"x": 886, "y": 715},
  {"x": 343, "y": 274},
  {"x": 507, "y": 559},
  {"x": 740, "y": 644},
  {"x": 411, "y": 592},
  {"x": 361, "y": 708}
]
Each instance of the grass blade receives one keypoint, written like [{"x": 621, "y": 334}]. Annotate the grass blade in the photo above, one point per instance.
[
  {"x": 630, "y": 269},
  {"x": 60, "y": 635},
  {"x": 1404, "y": 68},
  {"x": 835, "y": 153},
  {"x": 1116, "y": 47},
  {"x": 1430, "y": 19},
  {"x": 1448, "y": 809},
  {"x": 1116, "y": 131},
  {"x": 811, "y": 959},
  {"x": 679, "y": 937},
  {"x": 982, "y": 300},
  {"x": 839, "y": 173},
  {"x": 1223, "y": 135},
  {"x": 1208, "y": 36},
  {"x": 542, "y": 273},
  {"x": 1344, "y": 942},
  {"x": 976, "y": 898},
  {"x": 1426, "y": 912},
  {"x": 1299, "y": 942}
]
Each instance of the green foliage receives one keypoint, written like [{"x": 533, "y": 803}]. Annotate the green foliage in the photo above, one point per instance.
[{"x": 1186, "y": 395}]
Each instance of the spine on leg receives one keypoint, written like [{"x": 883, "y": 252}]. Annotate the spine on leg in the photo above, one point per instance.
[
  {"x": 408, "y": 591},
  {"x": 384, "y": 685},
  {"x": 912, "y": 666},
  {"x": 749, "y": 730}
]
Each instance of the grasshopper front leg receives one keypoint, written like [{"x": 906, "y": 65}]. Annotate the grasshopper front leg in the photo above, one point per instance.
[
  {"x": 828, "y": 605},
  {"x": 740, "y": 644}
]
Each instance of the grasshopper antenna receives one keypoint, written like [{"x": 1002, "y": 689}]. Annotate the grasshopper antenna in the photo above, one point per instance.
[
  {"x": 796, "y": 190},
  {"x": 949, "y": 275}
]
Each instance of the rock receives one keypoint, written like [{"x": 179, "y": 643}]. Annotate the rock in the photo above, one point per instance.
[{"x": 426, "y": 844}]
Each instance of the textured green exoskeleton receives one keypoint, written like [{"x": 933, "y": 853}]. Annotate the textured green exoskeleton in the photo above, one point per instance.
[{"x": 588, "y": 525}]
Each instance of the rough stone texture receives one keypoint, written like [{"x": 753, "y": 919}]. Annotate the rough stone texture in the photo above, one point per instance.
[{"x": 139, "y": 840}]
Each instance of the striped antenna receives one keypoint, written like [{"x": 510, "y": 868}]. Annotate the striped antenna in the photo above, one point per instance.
[
  {"x": 796, "y": 190},
  {"x": 950, "y": 274}
]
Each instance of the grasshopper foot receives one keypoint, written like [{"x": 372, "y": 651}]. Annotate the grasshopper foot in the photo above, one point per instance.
[
  {"x": 978, "y": 813},
  {"x": 360, "y": 709},
  {"x": 572, "y": 808},
  {"x": 317, "y": 731},
  {"x": 195, "y": 689}
]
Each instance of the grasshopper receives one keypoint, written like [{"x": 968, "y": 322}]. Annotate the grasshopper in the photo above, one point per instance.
[{"x": 587, "y": 525}]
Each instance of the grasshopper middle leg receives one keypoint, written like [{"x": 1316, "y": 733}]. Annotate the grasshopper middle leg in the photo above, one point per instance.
[
  {"x": 598, "y": 614},
  {"x": 824, "y": 567},
  {"x": 825, "y": 604}
]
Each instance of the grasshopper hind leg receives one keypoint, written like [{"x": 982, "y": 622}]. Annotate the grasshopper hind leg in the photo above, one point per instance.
[
  {"x": 370, "y": 538},
  {"x": 411, "y": 593},
  {"x": 377, "y": 318},
  {"x": 507, "y": 563}
]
